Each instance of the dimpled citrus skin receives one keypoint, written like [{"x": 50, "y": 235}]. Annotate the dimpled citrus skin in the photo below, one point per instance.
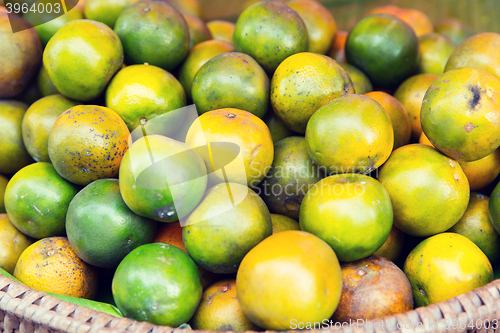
[
  {"x": 269, "y": 32},
  {"x": 460, "y": 113},
  {"x": 352, "y": 133},
  {"x": 82, "y": 57},
  {"x": 51, "y": 265},
  {"x": 444, "y": 266},
  {"x": 231, "y": 80},
  {"x": 429, "y": 191},
  {"x": 87, "y": 142},
  {"x": 303, "y": 83}
]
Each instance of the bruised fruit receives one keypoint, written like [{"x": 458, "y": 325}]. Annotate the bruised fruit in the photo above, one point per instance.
[
  {"x": 230, "y": 220},
  {"x": 292, "y": 174},
  {"x": 460, "y": 113},
  {"x": 87, "y": 142},
  {"x": 373, "y": 287},
  {"x": 280, "y": 284},
  {"x": 270, "y": 32},
  {"x": 352, "y": 213},
  {"x": 303, "y": 83},
  {"x": 429, "y": 191},
  {"x": 352, "y": 133},
  {"x": 445, "y": 266}
]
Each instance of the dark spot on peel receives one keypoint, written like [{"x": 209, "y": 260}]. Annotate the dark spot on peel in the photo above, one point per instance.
[{"x": 476, "y": 97}]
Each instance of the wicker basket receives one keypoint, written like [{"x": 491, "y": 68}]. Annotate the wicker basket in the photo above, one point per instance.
[{"x": 24, "y": 310}]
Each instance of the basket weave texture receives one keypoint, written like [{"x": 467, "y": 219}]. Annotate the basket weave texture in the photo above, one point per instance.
[{"x": 24, "y": 310}]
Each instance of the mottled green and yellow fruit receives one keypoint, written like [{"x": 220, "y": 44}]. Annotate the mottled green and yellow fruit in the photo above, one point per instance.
[
  {"x": 230, "y": 220},
  {"x": 352, "y": 133},
  {"x": 429, "y": 191},
  {"x": 352, "y": 213},
  {"x": 37, "y": 200},
  {"x": 38, "y": 121},
  {"x": 444, "y": 266},
  {"x": 270, "y": 32},
  {"x": 12, "y": 244},
  {"x": 231, "y": 80},
  {"x": 87, "y": 142},
  {"x": 82, "y": 57},
  {"x": 292, "y": 174},
  {"x": 220, "y": 311},
  {"x": 12, "y": 149},
  {"x": 153, "y": 32},
  {"x": 478, "y": 51},
  {"x": 476, "y": 224},
  {"x": 303, "y": 83},
  {"x": 161, "y": 178},
  {"x": 460, "y": 113}
]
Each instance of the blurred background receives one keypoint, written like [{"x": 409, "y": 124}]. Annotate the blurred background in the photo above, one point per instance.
[{"x": 479, "y": 15}]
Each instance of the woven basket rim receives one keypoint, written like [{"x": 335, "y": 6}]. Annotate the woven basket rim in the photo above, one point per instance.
[{"x": 22, "y": 305}]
